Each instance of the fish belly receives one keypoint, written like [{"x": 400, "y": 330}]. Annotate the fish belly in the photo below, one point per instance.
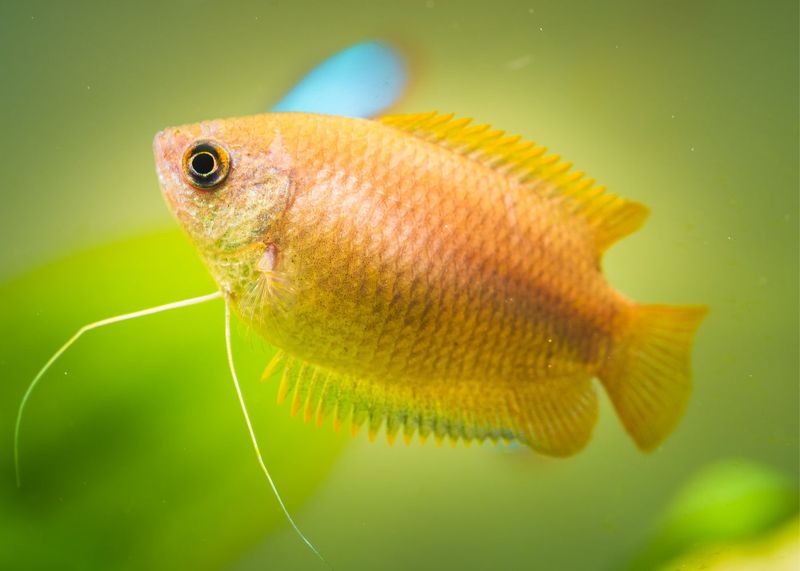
[{"x": 435, "y": 295}]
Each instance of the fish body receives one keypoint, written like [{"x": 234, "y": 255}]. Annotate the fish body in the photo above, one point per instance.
[{"x": 429, "y": 276}]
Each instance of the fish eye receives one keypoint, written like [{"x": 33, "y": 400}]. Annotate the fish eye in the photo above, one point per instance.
[{"x": 206, "y": 164}]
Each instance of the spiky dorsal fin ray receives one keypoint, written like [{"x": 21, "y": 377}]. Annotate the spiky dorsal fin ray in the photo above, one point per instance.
[
  {"x": 554, "y": 417},
  {"x": 608, "y": 216}
]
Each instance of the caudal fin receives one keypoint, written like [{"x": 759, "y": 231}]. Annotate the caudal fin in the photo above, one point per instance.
[{"x": 648, "y": 374}]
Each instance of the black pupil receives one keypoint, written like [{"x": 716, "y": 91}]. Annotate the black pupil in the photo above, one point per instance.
[{"x": 203, "y": 163}]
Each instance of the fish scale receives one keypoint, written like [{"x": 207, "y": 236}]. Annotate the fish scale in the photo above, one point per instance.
[{"x": 441, "y": 278}]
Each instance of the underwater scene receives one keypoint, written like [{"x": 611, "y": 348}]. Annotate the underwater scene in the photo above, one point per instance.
[{"x": 405, "y": 240}]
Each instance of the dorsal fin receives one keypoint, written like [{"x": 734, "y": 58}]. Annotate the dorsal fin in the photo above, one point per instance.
[{"x": 609, "y": 216}]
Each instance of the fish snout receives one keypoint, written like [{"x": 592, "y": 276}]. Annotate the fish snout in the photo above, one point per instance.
[
  {"x": 167, "y": 156},
  {"x": 165, "y": 146}
]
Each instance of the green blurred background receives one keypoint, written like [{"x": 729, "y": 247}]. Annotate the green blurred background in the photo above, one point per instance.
[{"x": 134, "y": 452}]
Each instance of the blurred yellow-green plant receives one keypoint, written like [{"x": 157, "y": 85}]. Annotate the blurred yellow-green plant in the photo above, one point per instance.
[
  {"x": 727, "y": 505},
  {"x": 776, "y": 551},
  {"x": 134, "y": 451}
]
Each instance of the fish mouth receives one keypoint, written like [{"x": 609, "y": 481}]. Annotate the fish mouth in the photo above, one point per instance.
[
  {"x": 158, "y": 142},
  {"x": 163, "y": 151},
  {"x": 168, "y": 147},
  {"x": 163, "y": 145}
]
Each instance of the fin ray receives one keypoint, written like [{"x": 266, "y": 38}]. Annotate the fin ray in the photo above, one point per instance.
[
  {"x": 554, "y": 417},
  {"x": 648, "y": 374},
  {"x": 608, "y": 216},
  {"x": 558, "y": 417}
]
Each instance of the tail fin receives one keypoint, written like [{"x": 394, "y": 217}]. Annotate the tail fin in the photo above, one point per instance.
[{"x": 648, "y": 375}]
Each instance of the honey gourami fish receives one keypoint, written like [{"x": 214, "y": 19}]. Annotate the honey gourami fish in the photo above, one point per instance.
[{"x": 428, "y": 275}]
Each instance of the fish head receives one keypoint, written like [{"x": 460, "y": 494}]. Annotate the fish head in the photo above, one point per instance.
[{"x": 227, "y": 182}]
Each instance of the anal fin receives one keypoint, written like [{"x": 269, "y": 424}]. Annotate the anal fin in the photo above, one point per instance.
[
  {"x": 552, "y": 416},
  {"x": 556, "y": 417}
]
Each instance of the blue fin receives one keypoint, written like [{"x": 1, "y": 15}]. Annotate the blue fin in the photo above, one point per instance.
[{"x": 359, "y": 81}]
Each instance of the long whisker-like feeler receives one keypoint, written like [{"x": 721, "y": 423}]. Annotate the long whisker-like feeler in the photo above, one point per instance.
[
  {"x": 81, "y": 331},
  {"x": 253, "y": 434}
]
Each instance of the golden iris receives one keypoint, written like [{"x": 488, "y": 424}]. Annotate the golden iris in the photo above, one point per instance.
[{"x": 206, "y": 164}]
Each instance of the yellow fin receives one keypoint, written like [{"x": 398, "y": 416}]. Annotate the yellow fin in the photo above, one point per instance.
[
  {"x": 287, "y": 381},
  {"x": 648, "y": 374},
  {"x": 608, "y": 216},
  {"x": 272, "y": 366},
  {"x": 557, "y": 418},
  {"x": 301, "y": 388},
  {"x": 554, "y": 417},
  {"x": 313, "y": 398},
  {"x": 325, "y": 403}
]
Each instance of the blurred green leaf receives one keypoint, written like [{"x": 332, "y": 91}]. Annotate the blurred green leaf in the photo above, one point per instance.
[
  {"x": 778, "y": 550},
  {"x": 134, "y": 451},
  {"x": 725, "y": 503}
]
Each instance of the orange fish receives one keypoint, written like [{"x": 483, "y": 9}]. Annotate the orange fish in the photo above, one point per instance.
[{"x": 427, "y": 275}]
